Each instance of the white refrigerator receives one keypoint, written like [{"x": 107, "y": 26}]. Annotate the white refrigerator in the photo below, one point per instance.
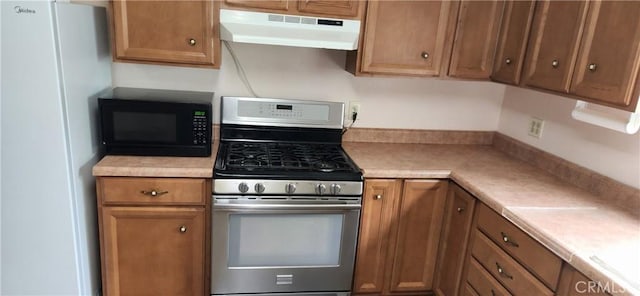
[{"x": 55, "y": 59}]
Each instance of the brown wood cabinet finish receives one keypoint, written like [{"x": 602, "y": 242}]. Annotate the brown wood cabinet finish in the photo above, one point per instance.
[
  {"x": 378, "y": 203},
  {"x": 475, "y": 39},
  {"x": 482, "y": 282},
  {"x": 468, "y": 291},
  {"x": 574, "y": 283},
  {"x": 417, "y": 235},
  {"x": 406, "y": 37},
  {"x": 139, "y": 191},
  {"x": 153, "y": 251},
  {"x": 330, "y": 7},
  {"x": 275, "y": 5},
  {"x": 399, "y": 236},
  {"x": 506, "y": 270},
  {"x": 521, "y": 246},
  {"x": 512, "y": 41},
  {"x": 157, "y": 247},
  {"x": 174, "y": 32},
  {"x": 609, "y": 58},
  {"x": 553, "y": 45},
  {"x": 454, "y": 240}
]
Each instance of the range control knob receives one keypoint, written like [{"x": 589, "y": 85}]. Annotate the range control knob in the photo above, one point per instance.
[
  {"x": 335, "y": 189},
  {"x": 290, "y": 188},
  {"x": 259, "y": 187},
  {"x": 320, "y": 189},
  {"x": 243, "y": 187}
]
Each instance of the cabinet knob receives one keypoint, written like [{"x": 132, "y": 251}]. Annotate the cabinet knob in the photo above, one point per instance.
[
  {"x": 555, "y": 63},
  {"x": 192, "y": 42},
  {"x": 424, "y": 55},
  {"x": 507, "y": 61},
  {"x": 153, "y": 192},
  {"x": 183, "y": 229},
  {"x": 460, "y": 210},
  {"x": 502, "y": 272},
  {"x": 508, "y": 241},
  {"x": 592, "y": 67},
  {"x": 378, "y": 196}
]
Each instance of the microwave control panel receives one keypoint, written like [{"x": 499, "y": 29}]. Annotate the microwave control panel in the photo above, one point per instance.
[{"x": 200, "y": 128}]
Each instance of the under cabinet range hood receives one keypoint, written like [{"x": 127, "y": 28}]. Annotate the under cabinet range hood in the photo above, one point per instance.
[{"x": 288, "y": 30}]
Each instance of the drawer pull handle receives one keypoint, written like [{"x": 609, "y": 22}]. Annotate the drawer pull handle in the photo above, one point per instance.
[
  {"x": 460, "y": 210},
  {"x": 183, "y": 229},
  {"x": 153, "y": 192},
  {"x": 508, "y": 241},
  {"x": 378, "y": 196},
  {"x": 502, "y": 272}
]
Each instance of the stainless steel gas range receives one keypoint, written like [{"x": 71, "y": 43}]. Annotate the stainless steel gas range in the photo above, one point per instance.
[{"x": 286, "y": 200}]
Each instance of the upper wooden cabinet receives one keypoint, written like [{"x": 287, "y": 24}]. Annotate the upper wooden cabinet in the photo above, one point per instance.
[
  {"x": 553, "y": 45},
  {"x": 399, "y": 236},
  {"x": 512, "y": 41},
  {"x": 609, "y": 58},
  {"x": 475, "y": 39},
  {"x": 406, "y": 37},
  {"x": 170, "y": 32},
  {"x": 349, "y": 9},
  {"x": 588, "y": 49}
]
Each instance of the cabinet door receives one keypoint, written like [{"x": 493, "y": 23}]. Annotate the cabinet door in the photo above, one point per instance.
[
  {"x": 377, "y": 213},
  {"x": 475, "y": 39},
  {"x": 417, "y": 235},
  {"x": 574, "y": 283},
  {"x": 552, "y": 50},
  {"x": 165, "y": 31},
  {"x": 153, "y": 251},
  {"x": 276, "y": 5},
  {"x": 607, "y": 67},
  {"x": 512, "y": 42},
  {"x": 453, "y": 248},
  {"x": 338, "y": 8},
  {"x": 406, "y": 37}
]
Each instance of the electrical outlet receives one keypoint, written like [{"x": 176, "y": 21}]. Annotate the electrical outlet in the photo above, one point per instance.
[
  {"x": 535, "y": 127},
  {"x": 354, "y": 107}
]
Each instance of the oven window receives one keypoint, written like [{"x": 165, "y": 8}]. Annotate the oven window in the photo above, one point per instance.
[
  {"x": 145, "y": 127},
  {"x": 257, "y": 240}
]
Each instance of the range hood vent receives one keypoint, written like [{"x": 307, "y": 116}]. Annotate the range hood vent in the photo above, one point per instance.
[{"x": 288, "y": 30}]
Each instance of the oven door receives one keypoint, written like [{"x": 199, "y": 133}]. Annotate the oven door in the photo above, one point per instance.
[{"x": 278, "y": 248}]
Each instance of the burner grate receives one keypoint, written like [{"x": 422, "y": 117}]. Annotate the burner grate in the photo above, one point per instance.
[{"x": 287, "y": 156}]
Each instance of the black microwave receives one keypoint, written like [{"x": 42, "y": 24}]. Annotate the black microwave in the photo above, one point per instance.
[{"x": 136, "y": 121}]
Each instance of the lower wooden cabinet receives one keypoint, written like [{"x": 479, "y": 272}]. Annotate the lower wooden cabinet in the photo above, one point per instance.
[
  {"x": 399, "y": 236},
  {"x": 453, "y": 244},
  {"x": 154, "y": 243},
  {"x": 574, "y": 283}
]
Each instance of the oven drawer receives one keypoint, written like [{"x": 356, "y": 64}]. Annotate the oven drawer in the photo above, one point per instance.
[
  {"x": 153, "y": 191},
  {"x": 506, "y": 270},
  {"x": 521, "y": 246}
]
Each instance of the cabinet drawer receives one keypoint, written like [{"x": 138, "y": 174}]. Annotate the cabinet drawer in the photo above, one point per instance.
[
  {"x": 521, "y": 246},
  {"x": 506, "y": 270},
  {"x": 482, "y": 282},
  {"x": 156, "y": 191}
]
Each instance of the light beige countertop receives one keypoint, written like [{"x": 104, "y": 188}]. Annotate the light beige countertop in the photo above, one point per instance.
[
  {"x": 597, "y": 238},
  {"x": 156, "y": 166}
]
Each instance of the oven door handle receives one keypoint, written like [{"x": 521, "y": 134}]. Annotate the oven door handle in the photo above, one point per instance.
[{"x": 258, "y": 206}]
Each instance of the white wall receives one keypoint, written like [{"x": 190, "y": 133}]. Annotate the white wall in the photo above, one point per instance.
[
  {"x": 289, "y": 72},
  {"x": 611, "y": 153}
]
